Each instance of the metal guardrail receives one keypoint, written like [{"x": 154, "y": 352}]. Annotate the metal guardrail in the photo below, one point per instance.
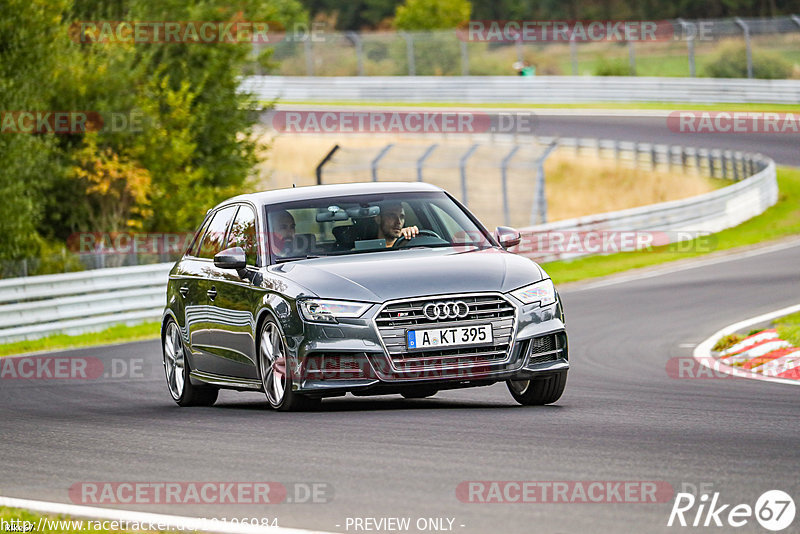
[
  {"x": 72, "y": 303},
  {"x": 519, "y": 89},
  {"x": 321, "y": 52},
  {"x": 755, "y": 189}
]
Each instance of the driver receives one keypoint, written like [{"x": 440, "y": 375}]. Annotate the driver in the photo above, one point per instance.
[
  {"x": 283, "y": 232},
  {"x": 390, "y": 224}
]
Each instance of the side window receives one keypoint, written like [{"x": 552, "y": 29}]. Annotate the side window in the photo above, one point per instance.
[
  {"x": 215, "y": 234},
  {"x": 243, "y": 234},
  {"x": 194, "y": 248}
]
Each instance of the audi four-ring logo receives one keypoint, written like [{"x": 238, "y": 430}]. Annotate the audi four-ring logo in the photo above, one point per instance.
[{"x": 454, "y": 309}]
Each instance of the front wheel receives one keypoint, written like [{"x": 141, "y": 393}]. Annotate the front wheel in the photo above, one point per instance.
[
  {"x": 275, "y": 378},
  {"x": 176, "y": 368},
  {"x": 538, "y": 391}
]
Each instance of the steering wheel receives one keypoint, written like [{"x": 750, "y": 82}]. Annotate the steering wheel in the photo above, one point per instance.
[{"x": 401, "y": 240}]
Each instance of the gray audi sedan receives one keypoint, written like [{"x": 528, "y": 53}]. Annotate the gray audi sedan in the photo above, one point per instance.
[{"x": 368, "y": 289}]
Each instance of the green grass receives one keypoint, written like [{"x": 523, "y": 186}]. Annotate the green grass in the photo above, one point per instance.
[
  {"x": 57, "y": 524},
  {"x": 115, "y": 334},
  {"x": 665, "y": 106},
  {"x": 726, "y": 342},
  {"x": 789, "y": 328},
  {"x": 781, "y": 220}
]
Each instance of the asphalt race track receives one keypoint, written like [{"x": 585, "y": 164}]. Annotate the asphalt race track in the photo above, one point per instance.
[
  {"x": 622, "y": 418},
  {"x": 784, "y": 148}
]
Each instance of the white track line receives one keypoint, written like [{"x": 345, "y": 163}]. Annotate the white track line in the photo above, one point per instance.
[
  {"x": 170, "y": 522},
  {"x": 702, "y": 353}
]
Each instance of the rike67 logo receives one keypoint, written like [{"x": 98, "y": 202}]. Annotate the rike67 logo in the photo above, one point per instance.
[{"x": 774, "y": 510}]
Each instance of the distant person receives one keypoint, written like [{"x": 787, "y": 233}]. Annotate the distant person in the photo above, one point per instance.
[
  {"x": 524, "y": 68},
  {"x": 390, "y": 224}
]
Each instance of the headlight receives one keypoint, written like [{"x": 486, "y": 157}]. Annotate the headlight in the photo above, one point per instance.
[
  {"x": 327, "y": 311},
  {"x": 543, "y": 293}
]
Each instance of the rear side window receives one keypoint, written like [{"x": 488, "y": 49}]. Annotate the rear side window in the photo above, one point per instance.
[
  {"x": 214, "y": 237},
  {"x": 243, "y": 234}
]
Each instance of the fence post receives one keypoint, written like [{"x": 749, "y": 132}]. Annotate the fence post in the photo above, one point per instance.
[
  {"x": 464, "y": 59},
  {"x": 573, "y": 54},
  {"x": 421, "y": 160},
  {"x": 710, "y": 164},
  {"x": 742, "y": 24},
  {"x": 309, "y": 57},
  {"x": 322, "y": 163},
  {"x": 374, "y": 164},
  {"x": 632, "y": 58},
  {"x": 412, "y": 68},
  {"x": 353, "y": 36},
  {"x": 689, "y": 42},
  {"x": 504, "y": 183},
  {"x": 462, "y": 165},
  {"x": 541, "y": 198}
]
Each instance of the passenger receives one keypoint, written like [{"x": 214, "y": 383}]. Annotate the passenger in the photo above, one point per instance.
[{"x": 390, "y": 224}]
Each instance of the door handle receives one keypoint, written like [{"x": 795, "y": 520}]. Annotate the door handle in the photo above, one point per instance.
[
  {"x": 184, "y": 291},
  {"x": 212, "y": 293}
]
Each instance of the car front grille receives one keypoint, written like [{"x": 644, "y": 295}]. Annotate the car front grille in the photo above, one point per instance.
[{"x": 397, "y": 317}]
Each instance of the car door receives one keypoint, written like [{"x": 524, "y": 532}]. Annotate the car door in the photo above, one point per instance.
[
  {"x": 233, "y": 306},
  {"x": 189, "y": 285},
  {"x": 203, "y": 336}
]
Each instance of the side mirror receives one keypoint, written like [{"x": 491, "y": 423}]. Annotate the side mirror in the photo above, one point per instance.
[
  {"x": 230, "y": 258},
  {"x": 508, "y": 237}
]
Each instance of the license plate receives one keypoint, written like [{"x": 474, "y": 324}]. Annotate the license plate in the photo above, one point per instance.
[{"x": 454, "y": 336}]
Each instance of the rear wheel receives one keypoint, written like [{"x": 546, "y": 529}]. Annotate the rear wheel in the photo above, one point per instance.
[
  {"x": 538, "y": 391},
  {"x": 275, "y": 378},
  {"x": 176, "y": 368}
]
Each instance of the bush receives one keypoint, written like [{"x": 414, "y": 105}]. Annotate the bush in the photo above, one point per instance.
[
  {"x": 612, "y": 67},
  {"x": 730, "y": 61}
]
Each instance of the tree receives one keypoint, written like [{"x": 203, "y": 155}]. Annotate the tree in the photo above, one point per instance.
[{"x": 432, "y": 14}]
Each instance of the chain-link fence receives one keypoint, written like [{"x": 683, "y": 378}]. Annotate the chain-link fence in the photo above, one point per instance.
[{"x": 754, "y": 47}]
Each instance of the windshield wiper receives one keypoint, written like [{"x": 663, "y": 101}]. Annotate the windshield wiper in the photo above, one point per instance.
[{"x": 295, "y": 258}]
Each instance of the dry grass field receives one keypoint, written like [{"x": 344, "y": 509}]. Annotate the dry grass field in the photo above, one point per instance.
[{"x": 575, "y": 185}]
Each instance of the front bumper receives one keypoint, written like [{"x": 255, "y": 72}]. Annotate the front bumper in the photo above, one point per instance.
[{"x": 332, "y": 360}]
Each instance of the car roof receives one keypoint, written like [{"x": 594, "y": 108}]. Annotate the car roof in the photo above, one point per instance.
[{"x": 313, "y": 192}]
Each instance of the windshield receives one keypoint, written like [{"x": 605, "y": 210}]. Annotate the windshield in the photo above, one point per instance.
[{"x": 369, "y": 223}]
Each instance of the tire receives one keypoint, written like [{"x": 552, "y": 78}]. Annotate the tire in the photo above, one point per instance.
[
  {"x": 176, "y": 370},
  {"x": 539, "y": 391},
  {"x": 275, "y": 381},
  {"x": 419, "y": 393}
]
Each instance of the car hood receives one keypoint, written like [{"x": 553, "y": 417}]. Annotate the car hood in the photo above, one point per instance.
[{"x": 382, "y": 276}]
